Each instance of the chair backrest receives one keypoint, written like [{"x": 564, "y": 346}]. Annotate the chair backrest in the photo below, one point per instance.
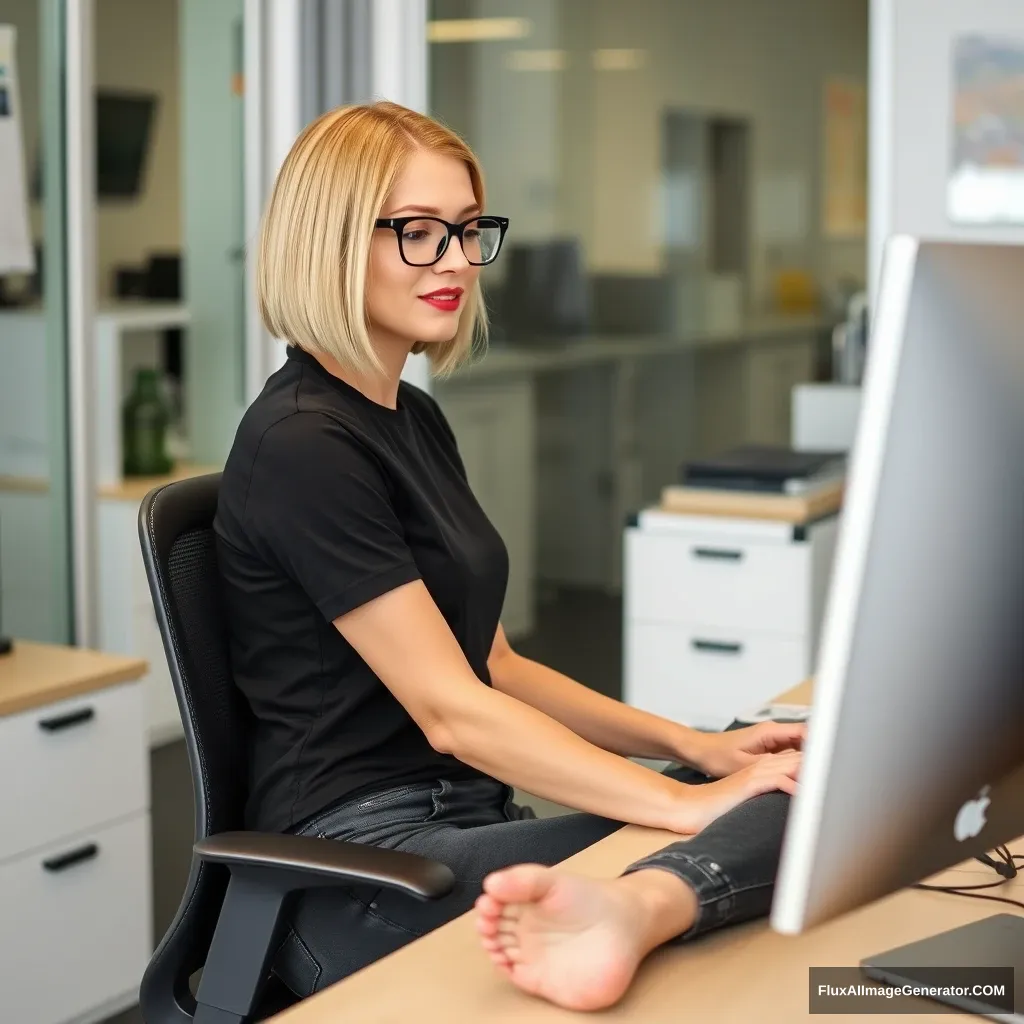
[{"x": 178, "y": 547}]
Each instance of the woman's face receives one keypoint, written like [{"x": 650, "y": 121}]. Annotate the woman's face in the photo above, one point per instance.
[{"x": 410, "y": 304}]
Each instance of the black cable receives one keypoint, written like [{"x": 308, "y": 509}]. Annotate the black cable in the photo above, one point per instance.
[
  {"x": 972, "y": 895},
  {"x": 1006, "y": 867}
]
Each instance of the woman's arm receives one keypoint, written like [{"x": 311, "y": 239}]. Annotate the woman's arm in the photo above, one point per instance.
[
  {"x": 617, "y": 727},
  {"x": 403, "y": 637},
  {"x": 605, "y": 722}
]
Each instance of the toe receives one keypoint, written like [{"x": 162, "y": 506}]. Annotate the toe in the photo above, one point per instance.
[
  {"x": 489, "y": 907},
  {"x": 525, "y": 883}
]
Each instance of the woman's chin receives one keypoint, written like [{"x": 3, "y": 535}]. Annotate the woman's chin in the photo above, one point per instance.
[{"x": 438, "y": 333}]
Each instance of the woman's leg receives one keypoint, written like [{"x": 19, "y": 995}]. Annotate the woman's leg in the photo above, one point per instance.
[
  {"x": 473, "y": 828},
  {"x": 578, "y": 941}
]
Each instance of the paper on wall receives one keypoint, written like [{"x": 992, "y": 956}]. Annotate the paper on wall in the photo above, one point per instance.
[{"x": 16, "y": 254}]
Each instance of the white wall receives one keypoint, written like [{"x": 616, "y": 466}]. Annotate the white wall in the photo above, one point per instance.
[
  {"x": 136, "y": 49},
  {"x": 576, "y": 150},
  {"x": 911, "y": 136}
]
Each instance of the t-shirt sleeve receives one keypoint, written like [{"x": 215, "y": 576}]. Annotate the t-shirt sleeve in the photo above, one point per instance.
[{"x": 320, "y": 508}]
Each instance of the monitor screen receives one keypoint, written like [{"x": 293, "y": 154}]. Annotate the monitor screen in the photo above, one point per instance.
[{"x": 124, "y": 123}]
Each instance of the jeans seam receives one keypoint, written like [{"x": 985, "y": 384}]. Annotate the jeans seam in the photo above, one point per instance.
[
  {"x": 437, "y": 795},
  {"x": 715, "y": 878},
  {"x": 389, "y": 793},
  {"x": 371, "y": 911}
]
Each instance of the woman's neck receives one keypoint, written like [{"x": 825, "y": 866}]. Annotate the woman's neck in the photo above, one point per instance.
[{"x": 381, "y": 388}]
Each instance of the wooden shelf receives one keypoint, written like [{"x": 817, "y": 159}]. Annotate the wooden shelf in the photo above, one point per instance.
[
  {"x": 136, "y": 488},
  {"x": 24, "y": 484}
]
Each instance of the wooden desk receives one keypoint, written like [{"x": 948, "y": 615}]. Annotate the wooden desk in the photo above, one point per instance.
[
  {"x": 34, "y": 675},
  {"x": 739, "y": 974}
]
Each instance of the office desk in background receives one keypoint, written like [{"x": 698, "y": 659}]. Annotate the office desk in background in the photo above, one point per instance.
[
  {"x": 126, "y": 619},
  {"x": 742, "y": 974},
  {"x": 75, "y": 890},
  {"x": 564, "y": 437}
]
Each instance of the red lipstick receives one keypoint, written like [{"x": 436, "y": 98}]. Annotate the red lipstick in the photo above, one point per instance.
[{"x": 445, "y": 299}]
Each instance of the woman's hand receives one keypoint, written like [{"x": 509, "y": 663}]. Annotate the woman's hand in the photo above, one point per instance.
[
  {"x": 722, "y": 754},
  {"x": 702, "y": 804}
]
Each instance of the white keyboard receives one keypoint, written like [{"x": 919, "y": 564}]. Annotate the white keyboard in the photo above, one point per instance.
[{"x": 776, "y": 713}]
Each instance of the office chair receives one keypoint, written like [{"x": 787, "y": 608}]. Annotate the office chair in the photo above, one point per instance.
[{"x": 231, "y": 916}]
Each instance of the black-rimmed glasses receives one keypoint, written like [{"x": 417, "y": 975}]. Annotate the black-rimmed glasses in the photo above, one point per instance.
[{"x": 422, "y": 241}]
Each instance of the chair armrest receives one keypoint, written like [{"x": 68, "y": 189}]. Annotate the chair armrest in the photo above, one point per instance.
[{"x": 287, "y": 862}]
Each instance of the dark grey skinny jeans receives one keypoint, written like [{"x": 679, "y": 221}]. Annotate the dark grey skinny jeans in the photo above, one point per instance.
[{"x": 476, "y": 828}]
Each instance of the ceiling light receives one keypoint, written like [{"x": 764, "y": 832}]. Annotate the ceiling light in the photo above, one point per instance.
[
  {"x": 619, "y": 60},
  {"x": 535, "y": 60},
  {"x": 476, "y": 30}
]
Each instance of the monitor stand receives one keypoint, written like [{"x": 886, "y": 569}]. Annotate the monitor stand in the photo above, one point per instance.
[{"x": 996, "y": 941}]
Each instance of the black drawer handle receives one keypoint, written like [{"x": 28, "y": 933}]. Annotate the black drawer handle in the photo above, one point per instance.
[
  {"x": 719, "y": 554},
  {"x": 59, "y": 722},
  {"x": 717, "y": 647},
  {"x": 76, "y": 856}
]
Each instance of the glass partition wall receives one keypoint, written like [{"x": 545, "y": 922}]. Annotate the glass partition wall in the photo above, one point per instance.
[
  {"x": 672, "y": 267},
  {"x": 35, "y": 520}
]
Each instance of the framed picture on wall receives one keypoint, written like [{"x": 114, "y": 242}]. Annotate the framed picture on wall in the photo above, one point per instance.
[
  {"x": 986, "y": 182},
  {"x": 845, "y": 173}
]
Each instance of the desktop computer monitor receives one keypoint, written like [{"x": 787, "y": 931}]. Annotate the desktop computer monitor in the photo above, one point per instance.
[{"x": 914, "y": 759}]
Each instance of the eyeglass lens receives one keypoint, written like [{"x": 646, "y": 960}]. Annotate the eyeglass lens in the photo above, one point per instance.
[{"x": 424, "y": 240}]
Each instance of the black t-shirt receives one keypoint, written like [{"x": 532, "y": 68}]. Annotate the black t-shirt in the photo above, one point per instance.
[{"x": 327, "y": 501}]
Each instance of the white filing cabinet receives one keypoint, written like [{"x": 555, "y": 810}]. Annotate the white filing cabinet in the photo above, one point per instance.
[
  {"x": 720, "y": 614},
  {"x": 75, "y": 890}
]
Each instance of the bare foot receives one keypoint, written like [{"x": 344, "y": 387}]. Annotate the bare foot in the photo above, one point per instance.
[{"x": 574, "y": 941}]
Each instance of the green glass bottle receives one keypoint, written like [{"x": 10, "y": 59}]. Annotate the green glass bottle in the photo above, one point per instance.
[{"x": 145, "y": 419}]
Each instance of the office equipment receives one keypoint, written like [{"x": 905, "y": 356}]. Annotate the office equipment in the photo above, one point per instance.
[
  {"x": 771, "y": 469},
  {"x": 546, "y": 290},
  {"x": 229, "y": 921},
  {"x": 925, "y": 605},
  {"x": 721, "y": 611},
  {"x": 824, "y": 416},
  {"x": 124, "y": 122},
  {"x": 775, "y": 712},
  {"x": 75, "y": 887}
]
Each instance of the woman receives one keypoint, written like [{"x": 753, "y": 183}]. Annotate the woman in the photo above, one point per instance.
[{"x": 364, "y": 583}]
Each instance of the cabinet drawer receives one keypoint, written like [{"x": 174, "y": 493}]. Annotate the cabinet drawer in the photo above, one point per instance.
[
  {"x": 75, "y": 931},
  {"x": 71, "y": 766},
  {"x": 704, "y": 678},
  {"x": 718, "y": 581}
]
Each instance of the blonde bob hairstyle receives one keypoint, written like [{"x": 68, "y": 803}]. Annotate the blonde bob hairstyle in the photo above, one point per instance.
[{"x": 314, "y": 243}]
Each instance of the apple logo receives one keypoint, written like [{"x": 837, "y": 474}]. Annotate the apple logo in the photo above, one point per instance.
[{"x": 970, "y": 819}]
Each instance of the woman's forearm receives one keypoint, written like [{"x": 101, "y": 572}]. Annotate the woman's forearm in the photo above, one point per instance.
[
  {"x": 525, "y": 748},
  {"x": 605, "y": 722}
]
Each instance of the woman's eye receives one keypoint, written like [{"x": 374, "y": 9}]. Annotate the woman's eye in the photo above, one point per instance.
[
  {"x": 414, "y": 236},
  {"x": 472, "y": 233}
]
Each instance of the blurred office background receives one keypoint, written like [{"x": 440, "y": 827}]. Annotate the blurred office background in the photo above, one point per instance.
[
  {"x": 686, "y": 184},
  {"x": 687, "y": 190}
]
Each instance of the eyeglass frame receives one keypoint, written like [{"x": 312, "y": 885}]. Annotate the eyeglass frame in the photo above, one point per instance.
[{"x": 397, "y": 224}]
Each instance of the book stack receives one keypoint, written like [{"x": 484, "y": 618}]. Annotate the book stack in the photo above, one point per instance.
[{"x": 760, "y": 481}]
